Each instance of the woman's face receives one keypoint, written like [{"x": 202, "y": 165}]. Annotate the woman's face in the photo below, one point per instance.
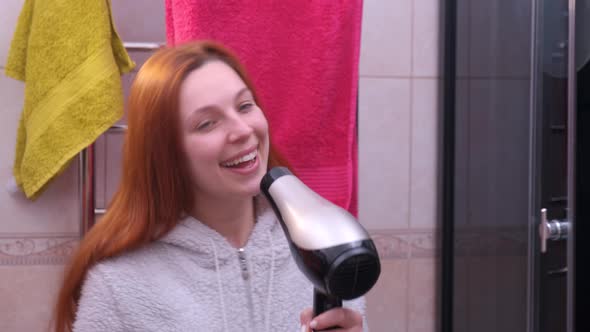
[{"x": 224, "y": 133}]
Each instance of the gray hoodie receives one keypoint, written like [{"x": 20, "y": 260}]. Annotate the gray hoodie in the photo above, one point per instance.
[{"x": 194, "y": 280}]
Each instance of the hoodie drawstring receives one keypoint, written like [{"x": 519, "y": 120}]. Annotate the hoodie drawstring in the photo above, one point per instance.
[
  {"x": 270, "y": 282},
  {"x": 219, "y": 286}
]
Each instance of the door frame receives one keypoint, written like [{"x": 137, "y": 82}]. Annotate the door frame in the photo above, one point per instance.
[
  {"x": 536, "y": 159},
  {"x": 448, "y": 171},
  {"x": 572, "y": 108}
]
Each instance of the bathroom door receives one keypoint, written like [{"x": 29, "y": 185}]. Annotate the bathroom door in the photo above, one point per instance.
[
  {"x": 512, "y": 264},
  {"x": 553, "y": 156},
  {"x": 552, "y": 96}
]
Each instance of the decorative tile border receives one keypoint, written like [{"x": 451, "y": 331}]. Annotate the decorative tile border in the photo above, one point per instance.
[
  {"x": 43, "y": 249},
  {"x": 405, "y": 243},
  {"x": 36, "y": 249}
]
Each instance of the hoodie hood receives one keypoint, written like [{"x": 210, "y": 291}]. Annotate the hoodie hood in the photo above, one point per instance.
[{"x": 193, "y": 235}]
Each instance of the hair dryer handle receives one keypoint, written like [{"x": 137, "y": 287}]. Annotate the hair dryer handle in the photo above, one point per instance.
[{"x": 322, "y": 303}]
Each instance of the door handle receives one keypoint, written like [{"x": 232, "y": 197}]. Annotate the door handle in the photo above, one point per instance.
[{"x": 552, "y": 230}]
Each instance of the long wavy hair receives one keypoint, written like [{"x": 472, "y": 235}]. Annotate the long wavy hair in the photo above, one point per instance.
[{"x": 153, "y": 192}]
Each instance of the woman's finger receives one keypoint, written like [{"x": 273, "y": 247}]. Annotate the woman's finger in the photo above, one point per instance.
[
  {"x": 306, "y": 316},
  {"x": 344, "y": 318}
]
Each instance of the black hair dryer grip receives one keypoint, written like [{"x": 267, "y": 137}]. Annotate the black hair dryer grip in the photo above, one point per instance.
[{"x": 322, "y": 303}]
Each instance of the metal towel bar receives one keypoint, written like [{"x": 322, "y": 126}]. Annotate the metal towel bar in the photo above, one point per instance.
[
  {"x": 86, "y": 181},
  {"x": 133, "y": 46},
  {"x": 87, "y": 185}
]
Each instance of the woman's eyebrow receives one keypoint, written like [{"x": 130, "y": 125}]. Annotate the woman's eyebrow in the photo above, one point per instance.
[
  {"x": 212, "y": 107},
  {"x": 241, "y": 92},
  {"x": 203, "y": 109}
]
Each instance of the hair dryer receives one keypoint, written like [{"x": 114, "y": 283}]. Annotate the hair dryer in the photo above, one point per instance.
[{"x": 328, "y": 244}]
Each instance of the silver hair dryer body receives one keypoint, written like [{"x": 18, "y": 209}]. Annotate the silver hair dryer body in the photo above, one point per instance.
[{"x": 328, "y": 244}]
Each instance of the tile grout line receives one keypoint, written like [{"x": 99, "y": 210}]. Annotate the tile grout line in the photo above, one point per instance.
[
  {"x": 412, "y": 20},
  {"x": 411, "y": 82},
  {"x": 411, "y": 110},
  {"x": 410, "y": 152},
  {"x": 409, "y": 283}
]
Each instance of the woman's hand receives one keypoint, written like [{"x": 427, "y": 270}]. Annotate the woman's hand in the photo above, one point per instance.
[{"x": 346, "y": 319}]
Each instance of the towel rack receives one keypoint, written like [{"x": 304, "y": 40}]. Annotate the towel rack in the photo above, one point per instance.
[
  {"x": 135, "y": 46},
  {"x": 86, "y": 181}
]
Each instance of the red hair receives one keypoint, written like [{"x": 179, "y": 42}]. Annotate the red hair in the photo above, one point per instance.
[{"x": 153, "y": 191}]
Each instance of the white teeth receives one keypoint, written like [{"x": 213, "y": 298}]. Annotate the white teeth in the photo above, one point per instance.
[{"x": 245, "y": 158}]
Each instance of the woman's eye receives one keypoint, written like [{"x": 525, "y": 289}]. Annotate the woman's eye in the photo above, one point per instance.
[
  {"x": 205, "y": 125},
  {"x": 246, "y": 106}
]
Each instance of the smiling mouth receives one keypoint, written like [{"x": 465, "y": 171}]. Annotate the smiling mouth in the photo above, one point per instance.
[{"x": 242, "y": 162}]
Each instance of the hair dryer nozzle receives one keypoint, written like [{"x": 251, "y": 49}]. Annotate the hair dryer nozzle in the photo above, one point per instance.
[
  {"x": 271, "y": 176},
  {"x": 328, "y": 244}
]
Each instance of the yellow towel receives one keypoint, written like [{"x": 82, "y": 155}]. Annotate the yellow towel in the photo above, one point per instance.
[{"x": 71, "y": 59}]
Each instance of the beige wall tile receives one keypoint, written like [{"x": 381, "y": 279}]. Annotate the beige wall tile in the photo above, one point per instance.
[
  {"x": 56, "y": 210},
  {"x": 12, "y": 93},
  {"x": 425, "y": 143},
  {"x": 114, "y": 163},
  {"x": 387, "y": 302},
  {"x": 9, "y": 11},
  {"x": 427, "y": 38},
  {"x": 28, "y": 296},
  {"x": 384, "y": 123},
  {"x": 422, "y": 298},
  {"x": 126, "y": 82},
  {"x": 100, "y": 171},
  {"x": 109, "y": 162},
  {"x": 386, "y": 38},
  {"x": 143, "y": 22}
]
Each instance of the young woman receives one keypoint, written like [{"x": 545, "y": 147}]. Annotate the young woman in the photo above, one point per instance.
[{"x": 188, "y": 243}]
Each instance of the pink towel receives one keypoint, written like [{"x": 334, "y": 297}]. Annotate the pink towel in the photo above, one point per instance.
[{"x": 303, "y": 59}]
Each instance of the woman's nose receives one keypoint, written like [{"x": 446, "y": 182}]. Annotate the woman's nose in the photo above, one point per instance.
[{"x": 239, "y": 129}]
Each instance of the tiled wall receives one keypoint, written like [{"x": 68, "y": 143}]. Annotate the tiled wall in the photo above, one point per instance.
[
  {"x": 398, "y": 145},
  {"x": 35, "y": 237},
  {"x": 399, "y": 116}
]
